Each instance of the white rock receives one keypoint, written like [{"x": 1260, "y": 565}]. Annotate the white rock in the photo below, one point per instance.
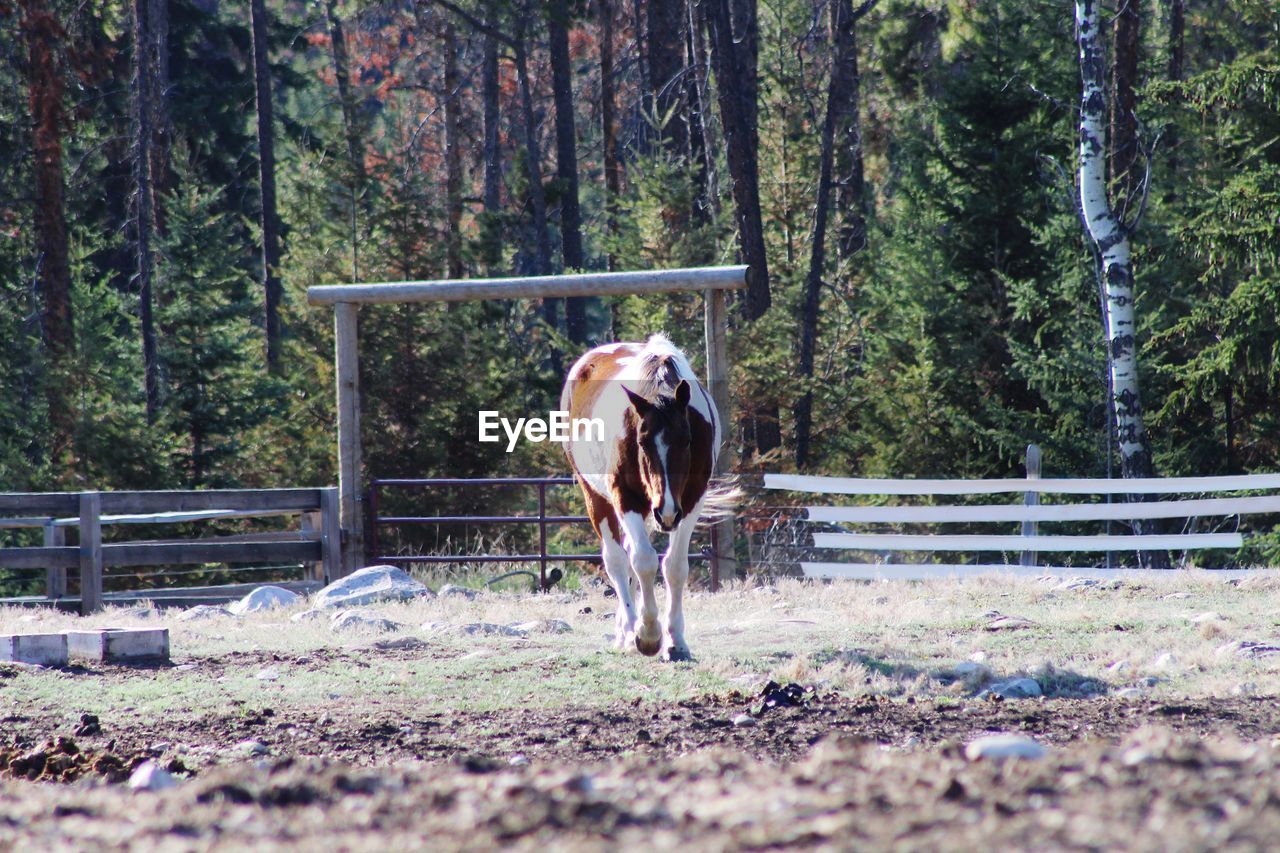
[
  {"x": 487, "y": 629},
  {"x": 978, "y": 657},
  {"x": 1127, "y": 693},
  {"x": 1164, "y": 661},
  {"x": 265, "y": 598},
  {"x": 1207, "y": 616},
  {"x": 1118, "y": 667},
  {"x": 1001, "y": 747},
  {"x": 1078, "y": 583},
  {"x": 744, "y": 720},
  {"x": 308, "y": 615},
  {"x": 1017, "y": 688},
  {"x": 346, "y": 620},
  {"x": 518, "y": 760},
  {"x": 433, "y": 627},
  {"x": 250, "y": 748},
  {"x": 1176, "y": 596},
  {"x": 203, "y": 611},
  {"x": 268, "y": 674},
  {"x": 453, "y": 591},
  {"x": 370, "y": 584},
  {"x": 971, "y": 671},
  {"x": 542, "y": 626},
  {"x": 150, "y": 776},
  {"x": 1244, "y": 688}
]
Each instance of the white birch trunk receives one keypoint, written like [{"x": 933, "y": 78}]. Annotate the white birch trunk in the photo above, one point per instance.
[{"x": 1112, "y": 239}]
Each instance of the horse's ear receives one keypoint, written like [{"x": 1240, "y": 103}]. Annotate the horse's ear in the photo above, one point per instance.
[
  {"x": 640, "y": 404},
  {"x": 682, "y": 393}
]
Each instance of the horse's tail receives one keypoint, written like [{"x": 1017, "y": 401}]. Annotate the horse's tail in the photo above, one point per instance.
[{"x": 721, "y": 500}]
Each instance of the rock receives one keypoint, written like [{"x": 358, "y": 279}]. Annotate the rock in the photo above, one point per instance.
[
  {"x": 1118, "y": 667},
  {"x": 1017, "y": 688},
  {"x": 452, "y": 591},
  {"x": 370, "y": 584},
  {"x": 249, "y": 748},
  {"x": 542, "y": 626},
  {"x": 1176, "y": 596},
  {"x": 1008, "y": 623},
  {"x": 265, "y": 598},
  {"x": 1244, "y": 688},
  {"x": 150, "y": 776},
  {"x": 1078, "y": 583},
  {"x": 1127, "y": 693},
  {"x": 203, "y": 611},
  {"x": 978, "y": 657},
  {"x": 1001, "y": 747},
  {"x": 744, "y": 720},
  {"x": 1207, "y": 616},
  {"x": 268, "y": 674},
  {"x": 972, "y": 671},
  {"x": 308, "y": 615},
  {"x": 346, "y": 620},
  {"x": 518, "y": 760},
  {"x": 1254, "y": 650},
  {"x": 412, "y": 644},
  {"x": 1164, "y": 661},
  {"x": 430, "y": 628},
  {"x": 488, "y": 629},
  {"x": 140, "y": 612}
]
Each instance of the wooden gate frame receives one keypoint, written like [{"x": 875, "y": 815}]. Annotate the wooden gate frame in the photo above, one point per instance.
[{"x": 346, "y": 298}]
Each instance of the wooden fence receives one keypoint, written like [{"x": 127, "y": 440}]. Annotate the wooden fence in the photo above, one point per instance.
[
  {"x": 317, "y": 543},
  {"x": 1030, "y": 514}
]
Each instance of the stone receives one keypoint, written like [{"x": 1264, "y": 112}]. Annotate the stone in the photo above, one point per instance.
[
  {"x": 150, "y": 776},
  {"x": 1207, "y": 616},
  {"x": 1002, "y": 747},
  {"x": 142, "y": 611},
  {"x": 1017, "y": 688},
  {"x": 249, "y": 748},
  {"x": 265, "y": 598},
  {"x": 971, "y": 671},
  {"x": 119, "y": 644},
  {"x": 1164, "y": 661},
  {"x": 1176, "y": 596},
  {"x": 308, "y": 615},
  {"x": 270, "y": 673},
  {"x": 542, "y": 626},
  {"x": 405, "y": 644},
  {"x": 203, "y": 611},
  {"x": 1118, "y": 667},
  {"x": 1244, "y": 688},
  {"x": 1078, "y": 583},
  {"x": 452, "y": 591},
  {"x": 1008, "y": 623},
  {"x": 1127, "y": 693},
  {"x": 347, "y": 620},
  {"x": 368, "y": 585},
  {"x": 744, "y": 720},
  {"x": 37, "y": 649},
  {"x": 518, "y": 760}
]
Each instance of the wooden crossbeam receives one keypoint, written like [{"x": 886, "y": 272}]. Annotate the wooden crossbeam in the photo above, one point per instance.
[
  {"x": 1058, "y": 512},
  {"x": 964, "y": 542}
]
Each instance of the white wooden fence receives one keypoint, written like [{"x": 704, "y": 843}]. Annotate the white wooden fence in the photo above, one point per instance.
[{"x": 1029, "y": 515}]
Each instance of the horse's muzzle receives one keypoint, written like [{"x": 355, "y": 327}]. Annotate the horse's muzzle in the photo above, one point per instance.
[{"x": 668, "y": 524}]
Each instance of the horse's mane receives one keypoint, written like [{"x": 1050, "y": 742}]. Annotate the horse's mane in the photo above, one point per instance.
[{"x": 659, "y": 375}]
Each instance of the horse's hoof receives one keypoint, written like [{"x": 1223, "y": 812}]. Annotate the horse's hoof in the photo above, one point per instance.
[
  {"x": 648, "y": 648},
  {"x": 677, "y": 654}
]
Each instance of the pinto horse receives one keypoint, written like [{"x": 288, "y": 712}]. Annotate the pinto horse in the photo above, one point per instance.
[{"x": 652, "y": 469}]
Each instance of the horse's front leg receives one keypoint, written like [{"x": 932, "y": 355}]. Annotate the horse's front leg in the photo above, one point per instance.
[
  {"x": 675, "y": 568},
  {"x": 644, "y": 563},
  {"x": 618, "y": 567}
]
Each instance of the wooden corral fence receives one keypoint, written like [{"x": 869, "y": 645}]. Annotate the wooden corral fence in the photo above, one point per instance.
[
  {"x": 830, "y": 526},
  {"x": 346, "y": 299},
  {"x": 316, "y": 544}
]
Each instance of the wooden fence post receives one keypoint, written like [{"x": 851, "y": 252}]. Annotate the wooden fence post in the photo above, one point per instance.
[
  {"x": 330, "y": 536},
  {"x": 90, "y": 552},
  {"x": 716, "y": 327},
  {"x": 1031, "y": 528},
  {"x": 55, "y": 536},
  {"x": 347, "y": 360}
]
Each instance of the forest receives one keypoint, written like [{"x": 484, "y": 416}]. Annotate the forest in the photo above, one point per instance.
[{"x": 917, "y": 186}]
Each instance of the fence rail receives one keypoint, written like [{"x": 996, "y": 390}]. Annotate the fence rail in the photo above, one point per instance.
[
  {"x": 317, "y": 544},
  {"x": 1029, "y": 515}
]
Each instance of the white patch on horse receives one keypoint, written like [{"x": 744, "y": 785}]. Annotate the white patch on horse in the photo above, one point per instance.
[
  {"x": 618, "y": 567},
  {"x": 667, "y": 511},
  {"x": 644, "y": 563}
]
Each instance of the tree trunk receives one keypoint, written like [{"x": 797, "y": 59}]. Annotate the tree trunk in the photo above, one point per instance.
[
  {"x": 1177, "y": 36},
  {"x": 144, "y": 213},
  {"x": 162, "y": 177},
  {"x": 850, "y": 179},
  {"x": 350, "y": 125},
  {"x": 575, "y": 308},
  {"x": 1112, "y": 239},
  {"x": 452, "y": 152},
  {"x": 842, "y": 96},
  {"x": 492, "y": 227},
  {"x": 734, "y": 54},
  {"x": 1123, "y": 154},
  {"x": 663, "y": 24},
  {"x": 699, "y": 131},
  {"x": 53, "y": 272},
  {"x": 268, "y": 216},
  {"x": 609, "y": 131}
]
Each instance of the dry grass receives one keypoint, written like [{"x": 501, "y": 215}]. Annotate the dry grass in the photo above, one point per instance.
[{"x": 1170, "y": 637}]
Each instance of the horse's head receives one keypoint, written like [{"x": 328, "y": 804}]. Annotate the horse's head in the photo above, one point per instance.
[{"x": 663, "y": 436}]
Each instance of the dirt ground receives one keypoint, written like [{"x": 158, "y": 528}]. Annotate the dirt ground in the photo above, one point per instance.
[{"x": 813, "y": 769}]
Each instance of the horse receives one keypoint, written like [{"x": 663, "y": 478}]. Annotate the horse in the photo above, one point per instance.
[{"x": 651, "y": 469}]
